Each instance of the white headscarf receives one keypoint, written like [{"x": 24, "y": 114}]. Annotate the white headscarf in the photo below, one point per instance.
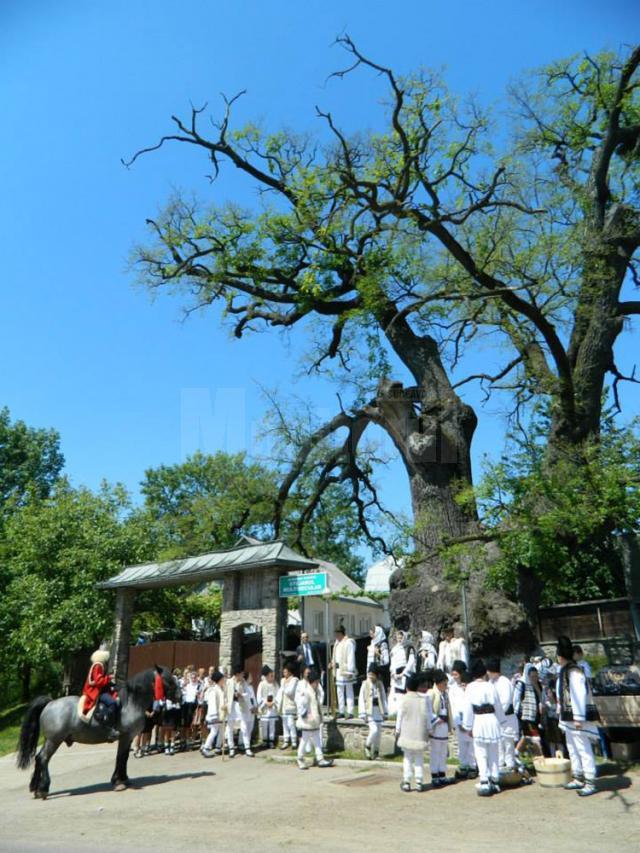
[
  {"x": 378, "y": 636},
  {"x": 426, "y": 643}
]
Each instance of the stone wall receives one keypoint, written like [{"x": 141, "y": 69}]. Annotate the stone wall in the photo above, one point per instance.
[
  {"x": 269, "y": 617},
  {"x": 350, "y": 736}
]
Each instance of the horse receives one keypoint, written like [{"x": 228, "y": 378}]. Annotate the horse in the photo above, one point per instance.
[{"x": 61, "y": 723}]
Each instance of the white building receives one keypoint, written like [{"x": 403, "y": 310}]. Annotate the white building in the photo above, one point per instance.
[
  {"x": 378, "y": 577},
  {"x": 345, "y": 605}
]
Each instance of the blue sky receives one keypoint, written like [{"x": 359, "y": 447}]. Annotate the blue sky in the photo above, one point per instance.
[{"x": 126, "y": 382}]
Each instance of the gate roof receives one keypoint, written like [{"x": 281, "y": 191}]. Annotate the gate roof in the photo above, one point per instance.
[{"x": 248, "y": 556}]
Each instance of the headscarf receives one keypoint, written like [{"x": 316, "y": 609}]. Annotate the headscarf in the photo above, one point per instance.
[
  {"x": 378, "y": 635},
  {"x": 427, "y": 644}
]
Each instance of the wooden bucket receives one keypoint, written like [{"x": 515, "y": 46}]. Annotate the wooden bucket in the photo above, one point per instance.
[{"x": 553, "y": 772}]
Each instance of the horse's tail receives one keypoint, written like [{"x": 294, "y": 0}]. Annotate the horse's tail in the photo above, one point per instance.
[{"x": 30, "y": 732}]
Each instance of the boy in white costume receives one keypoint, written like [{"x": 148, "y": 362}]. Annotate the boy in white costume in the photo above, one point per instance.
[
  {"x": 441, "y": 725},
  {"x": 310, "y": 720},
  {"x": 267, "y": 706},
  {"x": 372, "y": 708},
  {"x": 577, "y": 719},
  {"x": 412, "y": 730},
  {"x": 460, "y": 678},
  {"x": 239, "y": 696},
  {"x": 483, "y": 717},
  {"x": 344, "y": 667},
  {"x": 216, "y": 714},
  {"x": 511, "y": 725},
  {"x": 286, "y": 704}
]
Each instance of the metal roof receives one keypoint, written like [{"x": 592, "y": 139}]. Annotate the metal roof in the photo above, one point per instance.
[{"x": 206, "y": 567}]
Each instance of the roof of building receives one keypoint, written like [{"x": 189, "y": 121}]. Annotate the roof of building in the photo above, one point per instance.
[
  {"x": 248, "y": 554},
  {"x": 379, "y": 573},
  {"x": 342, "y": 584}
]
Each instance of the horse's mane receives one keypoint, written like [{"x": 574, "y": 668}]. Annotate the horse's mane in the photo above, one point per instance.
[{"x": 141, "y": 684}]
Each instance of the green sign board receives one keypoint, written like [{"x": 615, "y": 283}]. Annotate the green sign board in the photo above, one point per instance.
[{"x": 314, "y": 583}]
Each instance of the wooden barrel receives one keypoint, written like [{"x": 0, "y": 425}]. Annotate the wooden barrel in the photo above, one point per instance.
[{"x": 553, "y": 772}]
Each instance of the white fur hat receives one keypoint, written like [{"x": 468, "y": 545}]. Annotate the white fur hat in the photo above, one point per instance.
[{"x": 101, "y": 656}]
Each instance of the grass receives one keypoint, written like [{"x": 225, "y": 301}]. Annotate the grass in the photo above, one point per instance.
[{"x": 10, "y": 720}]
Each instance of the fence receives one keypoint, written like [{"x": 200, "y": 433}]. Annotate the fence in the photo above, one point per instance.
[{"x": 173, "y": 653}]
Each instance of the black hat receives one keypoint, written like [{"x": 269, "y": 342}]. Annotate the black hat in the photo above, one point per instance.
[
  {"x": 478, "y": 669},
  {"x": 217, "y": 676},
  {"x": 458, "y": 666},
  {"x": 564, "y": 649},
  {"x": 340, "y": 630},
  {"x": 266, "y": 669},
  {"x": 425, "y": 677},
  {"x": 314, "y": 675},
  {"x": 493, "y": 664},
  {"x": 373, "y": 667},
  {"x": 238, "y": 668}
]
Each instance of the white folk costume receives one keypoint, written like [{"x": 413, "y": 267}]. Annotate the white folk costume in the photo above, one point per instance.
[
  {"x": 378, "y": 649},
  {"x": 344, "y": 661},
  {"x": 511, "y": 725},
  {"x": 427, "y": 655},
  {"x": 412, "y": 727},
  {"x": 450, "y": 651},
  {"x": 240, "y": 702},
  {"x": 215, "y": 702},
  {"x": 402, "y": 665},
  {"x": 372, "y": 708},
  {"x": 576, "y": 705},
  {"x": 466, "y": 755},
  {"x": 441, "y": 725},
  {"x": 309, "y": 721},
  {"x": 483, "y": 716},
  {"x": 286, "y": 704},
  {"x": 268, "y": 710}
]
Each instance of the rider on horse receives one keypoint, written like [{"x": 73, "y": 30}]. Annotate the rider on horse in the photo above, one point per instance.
[{"x": 99, "y": 690}]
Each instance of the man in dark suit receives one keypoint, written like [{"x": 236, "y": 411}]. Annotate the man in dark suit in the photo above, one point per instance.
[{"x": 307, "y": 654}]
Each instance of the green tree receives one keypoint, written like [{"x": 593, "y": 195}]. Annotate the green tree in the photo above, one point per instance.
[
  {"x": 30, "y": 461},
  {"x": 411, "y": 244},
  {"x": 53, "y": 552}
]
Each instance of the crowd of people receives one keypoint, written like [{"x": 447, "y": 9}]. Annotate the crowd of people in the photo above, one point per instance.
[{"x": 431, "y": 693}]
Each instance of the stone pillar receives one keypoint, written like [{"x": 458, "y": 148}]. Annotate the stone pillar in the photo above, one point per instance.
[{"x": 122, "y": 633}]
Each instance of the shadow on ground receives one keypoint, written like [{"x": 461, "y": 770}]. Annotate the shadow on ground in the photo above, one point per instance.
[{"x": 138, "y": 783}]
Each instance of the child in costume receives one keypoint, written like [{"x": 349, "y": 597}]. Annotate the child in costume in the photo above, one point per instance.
[
  {"x": 372, "y": 708},
  {"x": 412, "y": 730},
  {"x": 215, "y": 703},
  {"x": 310, "y": 718},
  {"x": 267, "y": 706},
  {"x": 483, "y": 717},
  {"x": 441, "y": 725}
]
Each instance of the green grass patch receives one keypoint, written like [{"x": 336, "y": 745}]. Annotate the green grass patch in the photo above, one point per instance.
[{"x": 10, "y": 720}]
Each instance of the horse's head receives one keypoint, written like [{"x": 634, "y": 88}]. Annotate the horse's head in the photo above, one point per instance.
[{"x": 172, "y": 688}]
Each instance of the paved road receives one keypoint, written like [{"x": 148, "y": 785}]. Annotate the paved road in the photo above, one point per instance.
[{"x": 188, "y": 803}]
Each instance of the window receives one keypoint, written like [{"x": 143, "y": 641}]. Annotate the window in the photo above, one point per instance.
[
  {"x": 339, "y": 619},
  {"x": 365, "y": 625},
  {"x": 353, "y": 625},
  {"x": 318, "y": 623}
]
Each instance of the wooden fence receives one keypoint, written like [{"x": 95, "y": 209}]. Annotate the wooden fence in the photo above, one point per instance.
[{"x": 173, "y": 653}]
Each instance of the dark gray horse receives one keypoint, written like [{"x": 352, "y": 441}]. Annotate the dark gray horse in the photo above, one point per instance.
[{"x": 61, "y": 724}]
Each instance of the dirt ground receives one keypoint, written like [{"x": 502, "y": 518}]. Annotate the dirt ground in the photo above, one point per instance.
[{"x": 189, "y": 803}]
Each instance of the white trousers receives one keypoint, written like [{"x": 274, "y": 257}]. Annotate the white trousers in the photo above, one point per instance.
[
  {"x": 438, "y": 756},
  {"x": 289, "y": 731},
  {"x": 487, "y": 758},
  {"x": 507, "y": 753},
  {"x": 246, "y": 727},
  {"x": 268, "y": 728},
  {"x": 214, "y": 738},
  {"x": 375, "y": 733},
  {"x": 344, "y": 690},
  {"x": 581, "y": 754},
  {"x": 466, "y": 755},
  {"x": 412, "y": 765},
  {"x": 310, "y": 739}
]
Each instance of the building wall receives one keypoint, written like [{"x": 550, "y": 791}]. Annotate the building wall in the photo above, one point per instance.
[{"x": 357, "y": 618}]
